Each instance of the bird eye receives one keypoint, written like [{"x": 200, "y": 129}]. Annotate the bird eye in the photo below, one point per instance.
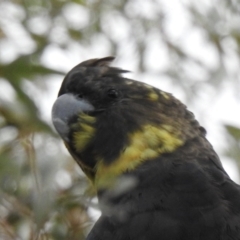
[
  {"x": 80, "y": 95},
  {"x": 112, "y": 93}
]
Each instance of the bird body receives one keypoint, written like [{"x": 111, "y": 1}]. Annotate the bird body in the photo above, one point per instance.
[{"x": 156, "y": 175}]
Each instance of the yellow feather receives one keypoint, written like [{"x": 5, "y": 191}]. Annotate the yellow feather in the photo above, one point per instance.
[
  {"x": 153, "y": 96},
  {"x": 165, "y": 95},
  {"x": 145, "y": 144},
  {"x": 86, "y": 118},
  {"x": 84, "y": 131}
]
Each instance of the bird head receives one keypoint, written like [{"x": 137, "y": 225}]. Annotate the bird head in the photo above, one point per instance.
[{"x": 111, "y": 124}]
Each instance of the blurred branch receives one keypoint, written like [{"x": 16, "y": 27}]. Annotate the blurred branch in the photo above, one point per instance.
[{"x": 233, "y": 149}]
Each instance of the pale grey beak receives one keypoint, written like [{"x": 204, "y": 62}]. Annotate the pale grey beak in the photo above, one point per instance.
[{"x": 65, "y": 107}]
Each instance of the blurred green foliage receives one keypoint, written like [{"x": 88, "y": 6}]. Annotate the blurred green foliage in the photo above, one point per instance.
[
  {"x": 233, "y": 148},
  {"x": 43, "y": 194}
]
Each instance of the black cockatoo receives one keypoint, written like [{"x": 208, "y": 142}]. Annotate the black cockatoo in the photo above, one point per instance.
[{"x": 156, "y": 175}]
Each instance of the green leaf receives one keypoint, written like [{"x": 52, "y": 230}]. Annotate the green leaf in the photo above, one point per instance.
[{"x": 233, "y": 131}]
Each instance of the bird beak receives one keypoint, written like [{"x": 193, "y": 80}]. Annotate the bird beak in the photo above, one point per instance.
[{"x": 65, "y": 107}]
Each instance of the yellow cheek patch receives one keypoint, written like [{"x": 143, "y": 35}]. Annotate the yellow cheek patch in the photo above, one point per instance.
[
  {"x": 146, "y": 144},
  {"x": 84, "y": 131},
  {"x": 86, "y": 118},
  {"x": 81, "y": 139}
]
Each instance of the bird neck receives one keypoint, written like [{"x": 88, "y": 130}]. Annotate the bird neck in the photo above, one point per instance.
[{"x": 144, "y": 145}]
